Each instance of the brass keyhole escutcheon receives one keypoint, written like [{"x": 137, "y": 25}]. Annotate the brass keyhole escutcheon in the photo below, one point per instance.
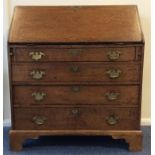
[
  {"x": 75, "y": 88},
  {"x": 75, "y": 69},
  {"x": 75, "y": 111},
  {"x": 75, "y": 52}
]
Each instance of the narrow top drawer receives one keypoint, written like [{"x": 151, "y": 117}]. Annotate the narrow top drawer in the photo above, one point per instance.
[{"x": 44, "y": 54}]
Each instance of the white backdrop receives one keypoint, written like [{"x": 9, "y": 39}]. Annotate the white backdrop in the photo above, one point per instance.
[{"x": 144, "y": 10}]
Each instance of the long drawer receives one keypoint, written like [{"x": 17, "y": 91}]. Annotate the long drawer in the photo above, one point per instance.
[
  {"x": 76, "y": 72},
  {"x": 44, "y": 54},
  {"x": 76, "y": 94},
  {"x": 79, "y": 118}
]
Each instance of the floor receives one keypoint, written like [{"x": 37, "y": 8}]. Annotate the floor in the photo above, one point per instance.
[{"x": 77, "y": 145}]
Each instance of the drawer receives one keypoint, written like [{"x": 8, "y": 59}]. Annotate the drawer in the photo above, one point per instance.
[
  {"x": 76, "y": 72},
  {"x": 79, "y": 118},
  {"x": 42, "y": 54},
  {"x": 75, "y": 94}
]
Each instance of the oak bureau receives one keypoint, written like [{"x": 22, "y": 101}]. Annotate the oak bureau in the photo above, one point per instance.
[{"x": 76, "y": 70}]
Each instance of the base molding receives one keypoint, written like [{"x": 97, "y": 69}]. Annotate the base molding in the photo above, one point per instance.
[{"x": 132, "y": 137}]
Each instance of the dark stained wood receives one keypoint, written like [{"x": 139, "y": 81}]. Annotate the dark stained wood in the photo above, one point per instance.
[
  {"x": 76, "y": 118},
  {"x": 59, "y": 71},
  {"x": 75, "y": 103},
  {"x": 72, "y": 54},
  {"x": 76, "y": 94},
  {"x": 75, "y": 24}
]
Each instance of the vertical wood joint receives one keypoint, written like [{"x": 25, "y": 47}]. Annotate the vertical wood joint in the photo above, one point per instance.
[{"x": 139, "y": 54}]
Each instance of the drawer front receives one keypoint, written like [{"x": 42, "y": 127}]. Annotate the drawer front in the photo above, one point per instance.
[
  {"x": 75, "y": 72},
  {"x": 79, "y": 118},
  {"x": 73, "y": 54},
  {"x": 75, "y": 94}
]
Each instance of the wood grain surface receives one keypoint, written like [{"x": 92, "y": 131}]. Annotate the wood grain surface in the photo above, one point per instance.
[
  {"x": 75, "y": 24},
  {"x": 68, "y": 48}
]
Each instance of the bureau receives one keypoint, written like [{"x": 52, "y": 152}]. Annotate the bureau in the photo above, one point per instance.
[{"x": 76, "y": 70}]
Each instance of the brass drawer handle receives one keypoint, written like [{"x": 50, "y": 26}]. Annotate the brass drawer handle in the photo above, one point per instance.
[
  {"x": 36, "y": 55},
  {"x": 39, "y": 120},
  {"x": 75, "y": 69},
  {"x": 113, "y": 55},
  {"x": 75, "y": 52},
  {"x": 112, "y": 96},
  {"x": 112, "y": 119},
  {"x": 75, "y": 111},
  {"x": 114, "y": 73},
  {"x": 38, "y": 96},
  {"x": 75, "y": 88},
  {"x": 37, "y": 74}
]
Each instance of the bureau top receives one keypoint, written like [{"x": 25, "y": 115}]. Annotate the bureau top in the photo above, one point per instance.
[{"x": 75, "y": 24}]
